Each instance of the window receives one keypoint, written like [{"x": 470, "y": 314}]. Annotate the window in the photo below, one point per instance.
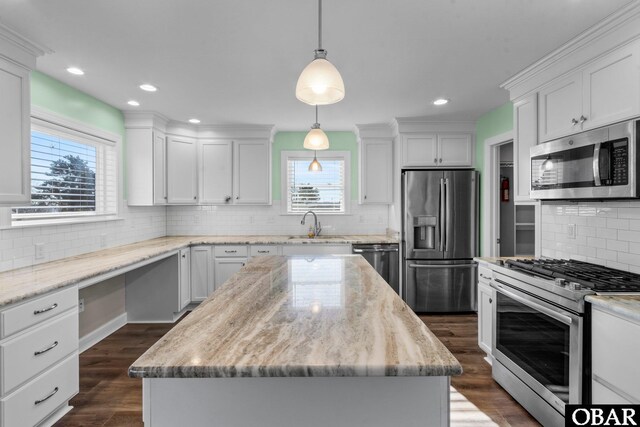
[
  {"x": 322, "y": 192},
  {"x": 74, "y": 174}
]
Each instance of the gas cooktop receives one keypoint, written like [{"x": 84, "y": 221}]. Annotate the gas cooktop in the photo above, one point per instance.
[{"x": 582, "y": 275}]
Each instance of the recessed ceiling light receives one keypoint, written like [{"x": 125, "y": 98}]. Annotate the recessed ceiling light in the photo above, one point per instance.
[
  {"x": 194, "y": 121},
  {"x": 75, "y": 70},
  {"x": 440, "y": 101},
  {"x": 133, "y": 103},
  {"x": 148, "y": 87}
]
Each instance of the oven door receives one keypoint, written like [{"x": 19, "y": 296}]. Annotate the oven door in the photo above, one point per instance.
[{"x": 539, "y": 343}]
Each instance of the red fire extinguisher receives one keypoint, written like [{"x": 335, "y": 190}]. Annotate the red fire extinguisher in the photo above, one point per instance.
[{"x": 504, "y": 189}]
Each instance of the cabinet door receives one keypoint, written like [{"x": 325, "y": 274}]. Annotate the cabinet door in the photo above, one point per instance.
[
  {"x": 185, "y": 277},
  {"x": 159, "y": 168},
  {"x": 202, "y": 280},
  {"x": 611, "y": 88},
  {"x": 455, "y": 150},
  {"x": 181, "y": 170},
  {"x": 376, "y": 164},
  {"x": 215, "y": 167},
  {"x": 560, "y": 108},
  {"x": 15, "y": 126},
  {"x": 525, "y": 131},
  {"x": 251, "y": 175},
  {"x": 486, "y": 298},
  {"x": 227, "y": 267},
  {"x": 420, "y": 150}
]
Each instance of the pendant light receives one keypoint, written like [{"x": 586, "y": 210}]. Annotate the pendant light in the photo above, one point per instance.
[
  {"x": 315, "y": 165},
  {"x": 316, "y": 139},
  {"x": 320, "y": 83}
]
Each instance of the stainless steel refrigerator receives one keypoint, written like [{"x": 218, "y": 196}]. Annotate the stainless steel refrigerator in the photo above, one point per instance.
[{"x": 440, "y": 239}]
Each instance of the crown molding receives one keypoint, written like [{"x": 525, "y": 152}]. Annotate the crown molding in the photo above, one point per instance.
[
  {"x": 145, "y": 120},
  {"x": 375, "y": 130},
  {"x": 610, "y": 24},
  {"x": 19, "y": 49},
  {"x": 422, "y": 124}
]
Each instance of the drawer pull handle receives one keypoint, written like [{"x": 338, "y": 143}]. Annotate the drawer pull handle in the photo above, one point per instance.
[
  {"x": 44, "y": 310},
  {"x": 263, "y": 252},
  {"x": 51, "y": 347},
  {"x": 230, "y": 252},
  {"x": 44, "y": 399}
]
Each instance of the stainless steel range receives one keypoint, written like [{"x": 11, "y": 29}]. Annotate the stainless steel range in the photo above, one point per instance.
[{"x": 541, "y": 330}]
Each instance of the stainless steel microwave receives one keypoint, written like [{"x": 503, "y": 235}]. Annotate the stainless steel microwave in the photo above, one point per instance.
[{"x": 598, "y": 164}]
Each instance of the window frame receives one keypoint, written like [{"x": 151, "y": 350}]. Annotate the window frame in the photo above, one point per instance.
[
  {"x": 285, "y": 156},
  {"x": 47, "y": 122}
]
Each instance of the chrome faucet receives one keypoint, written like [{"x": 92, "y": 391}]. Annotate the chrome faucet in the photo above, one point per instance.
[{"x": 317, "y": 227}]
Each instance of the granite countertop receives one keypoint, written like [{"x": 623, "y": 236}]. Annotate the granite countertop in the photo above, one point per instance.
[
  {"x": 19, "y": 284},
  {"x": 330, "y": 316},
  {"x": 623, "y": 305}
]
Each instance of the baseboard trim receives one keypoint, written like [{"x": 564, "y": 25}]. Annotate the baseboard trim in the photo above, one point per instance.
[{"x": 102, "y": 332}]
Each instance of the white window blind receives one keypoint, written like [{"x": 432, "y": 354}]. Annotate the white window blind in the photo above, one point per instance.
[
  {"x": 322, "y": 192},
  {"x": 72, "y": 174}
]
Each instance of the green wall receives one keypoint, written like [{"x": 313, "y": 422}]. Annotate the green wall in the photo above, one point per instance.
[
  {"x": 292, "y": 141},
  {"x": 495, "y": 122}
]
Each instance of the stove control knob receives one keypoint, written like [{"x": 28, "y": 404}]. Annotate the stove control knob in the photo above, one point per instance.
[
  {"x": 500, "y": 262},
  {"x": 574, "y": 286},
  {"x": 560, "y": 282}
]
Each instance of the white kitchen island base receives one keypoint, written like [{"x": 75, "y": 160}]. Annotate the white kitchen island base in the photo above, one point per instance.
[{"x": 296, "y": 401}]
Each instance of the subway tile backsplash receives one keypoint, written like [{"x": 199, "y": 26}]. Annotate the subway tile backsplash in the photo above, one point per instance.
[
  {"x": 243, "y": 220},
  {"x": 607, "y": 233}
]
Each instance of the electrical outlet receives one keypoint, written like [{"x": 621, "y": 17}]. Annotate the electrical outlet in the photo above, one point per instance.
[
  {"x": 39, "y": 251},
  {"x": 81, "y": 305},
  {"x": 103, "y": 240},
  {"x": 571, "y": 231}
]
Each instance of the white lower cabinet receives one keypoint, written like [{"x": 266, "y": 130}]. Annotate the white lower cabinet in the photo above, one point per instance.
[
  {"x": 227, "y": 267},
  {"x": 486, "y": 298},
  {"x": 185, "y": 277},
  {"x": 39, "y": 358},
  {"x": 614, "y": 358},
  {"x": 202, "y": 269}
]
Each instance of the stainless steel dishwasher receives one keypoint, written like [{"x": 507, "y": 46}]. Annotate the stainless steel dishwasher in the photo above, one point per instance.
[{"x": 384, "y": 258}]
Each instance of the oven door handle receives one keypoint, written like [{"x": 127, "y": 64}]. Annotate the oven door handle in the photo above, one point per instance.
[
  {"x": 596, "y": 165},
  {"x": 549, "y": 312}
]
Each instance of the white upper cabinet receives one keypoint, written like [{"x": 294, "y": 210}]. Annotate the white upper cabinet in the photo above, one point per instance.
[
  {"x": 525, "y": 136},
  {"x": 603, "y": 92},
  {"x": 251, "y": 164},
  {"x": 437, "y": 150},
  {"x": 159, "y": 168},
  {"x": 182, "y": 185},
  {"x": 420, "y": 150},
  {"x": 215, "y": 163},
  {"x": 376, "y": 171},
  {"x": 17, "y": 59},
  {"x": 455, "y": 150}
]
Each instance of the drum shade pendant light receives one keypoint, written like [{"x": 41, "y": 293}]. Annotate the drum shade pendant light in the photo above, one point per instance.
[
  {"x": 320, "y": 83},
  {"x": 316, "y": 139},
  {"x": 315, "y": 165}
]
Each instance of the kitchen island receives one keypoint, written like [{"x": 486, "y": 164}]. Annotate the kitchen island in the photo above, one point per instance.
[{"x": 295, "y": 341}]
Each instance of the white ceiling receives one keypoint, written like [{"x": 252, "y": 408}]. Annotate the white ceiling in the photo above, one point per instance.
[{"x": 237, "y": 61}]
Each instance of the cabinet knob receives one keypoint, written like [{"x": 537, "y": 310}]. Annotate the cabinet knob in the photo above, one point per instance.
[
  {"x": 365, "y": 197},
  {"x": 490, "y": 300},
  {"x": 227, "y": 198},
  {"x": 165, "y": 197},
  {"x": 573, "y": 122},
  {"x": 195, "y": 197},
  {"x": 184, "y": 255},
  {"x": 582, "y": 119},
  {"x": 435, "y": 160},
  {"x": 237, "y": 197},
  {"x": 440, "y": 159}
]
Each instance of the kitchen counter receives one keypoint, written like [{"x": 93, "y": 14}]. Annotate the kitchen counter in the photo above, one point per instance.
[
  {"x": 291, "y": 317},
  {"x": 623, "y": 305},
  {"x": 290, "y": 341},
  {"x": 20, "y": 284}
]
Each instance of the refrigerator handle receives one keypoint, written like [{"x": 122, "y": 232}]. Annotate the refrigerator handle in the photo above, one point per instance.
[
  {"x": 442, "y": 214},
  {"x": 447, "y": 213}
]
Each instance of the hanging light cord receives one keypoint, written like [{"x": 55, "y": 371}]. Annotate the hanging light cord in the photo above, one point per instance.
[
  {"x": 316, "y": 113},
  {"x": 319, "y": 24}
]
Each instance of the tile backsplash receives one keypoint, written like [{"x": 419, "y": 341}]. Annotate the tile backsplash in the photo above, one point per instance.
[
  {"x": 243, "y": 220},
  {"x": 18, "y": 245},
  {"x": 606, "y": 233}
]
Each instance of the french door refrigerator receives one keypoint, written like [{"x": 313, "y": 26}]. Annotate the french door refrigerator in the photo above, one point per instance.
[{"x": 440, "y": 239}]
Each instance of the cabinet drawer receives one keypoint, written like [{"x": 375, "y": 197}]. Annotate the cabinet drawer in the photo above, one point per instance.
[
  {"x": 37, "y": 310},
  {"x": 52, "y": 341},
  {"x": 262, "y": 250},
  {"x": 485, "y": 274},
  {"x": 617, "y": 367},
  {"x": 230, "y": 251},
  {"x": 50, "y": 390}
]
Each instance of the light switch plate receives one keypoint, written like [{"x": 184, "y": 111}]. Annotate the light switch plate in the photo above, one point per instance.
[{"x": 571, "y": 231}]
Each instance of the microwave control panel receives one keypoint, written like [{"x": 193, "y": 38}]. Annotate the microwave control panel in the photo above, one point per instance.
[{"x": 619, "y": 161}]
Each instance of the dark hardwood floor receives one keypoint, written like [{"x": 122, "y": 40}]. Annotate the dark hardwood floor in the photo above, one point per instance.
[{"x": 108, "y": 397}]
